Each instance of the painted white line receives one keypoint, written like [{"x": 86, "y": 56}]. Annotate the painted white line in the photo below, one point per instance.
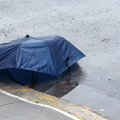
[{"x": 48, "y": 106}]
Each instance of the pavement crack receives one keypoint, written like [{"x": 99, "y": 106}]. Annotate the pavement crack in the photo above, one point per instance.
[{"x": 9, "y": 104}]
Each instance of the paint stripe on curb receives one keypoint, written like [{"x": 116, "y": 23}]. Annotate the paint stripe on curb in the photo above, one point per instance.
[{"x": 36, "y": 97}]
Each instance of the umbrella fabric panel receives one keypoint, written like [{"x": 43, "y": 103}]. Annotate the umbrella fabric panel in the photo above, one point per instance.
[
  {"x": 26, "y": 77},
  {"x": 43, "y": 54},
  {"x": 5, "y": 75},
  {"x": 22, "y": 76},
  {"x": 9, "y": 53},
  {"x": 61, "y": 51},
  {"x": 8, "y": 56},
  {"x": 36, "y": 56}
]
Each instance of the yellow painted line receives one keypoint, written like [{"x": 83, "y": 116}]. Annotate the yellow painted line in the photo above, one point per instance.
[
  {"x": 81, "y": 112},
  {"x": 21, "y": 90}
]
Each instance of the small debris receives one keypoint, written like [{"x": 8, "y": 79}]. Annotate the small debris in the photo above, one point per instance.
[
  {"x": 106, "y": 39},
  {"x": 102, "y": 110}
]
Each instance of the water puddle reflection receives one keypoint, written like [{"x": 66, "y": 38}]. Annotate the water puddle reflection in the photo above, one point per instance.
[{"x": 63, "y": 85}]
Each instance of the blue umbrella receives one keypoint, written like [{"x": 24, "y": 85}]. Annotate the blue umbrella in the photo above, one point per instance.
[{"x": 30, "y": 58}]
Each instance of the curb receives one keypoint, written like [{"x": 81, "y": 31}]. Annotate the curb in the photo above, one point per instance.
[{"x": 79, "y": 111}]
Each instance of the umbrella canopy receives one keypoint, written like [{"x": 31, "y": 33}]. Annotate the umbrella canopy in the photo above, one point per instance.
[{"x": 45, "y": 55}]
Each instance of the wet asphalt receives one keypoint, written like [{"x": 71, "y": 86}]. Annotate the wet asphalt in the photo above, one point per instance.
[{"x": 93, "y": 27}]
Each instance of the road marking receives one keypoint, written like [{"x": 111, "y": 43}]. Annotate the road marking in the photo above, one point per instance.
[
  {"x": 25, "y": 100},
  {"x": 76, "y": 112}
]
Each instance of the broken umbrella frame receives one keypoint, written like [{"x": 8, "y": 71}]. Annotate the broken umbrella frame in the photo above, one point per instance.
[{"x": 32, "y": 59}]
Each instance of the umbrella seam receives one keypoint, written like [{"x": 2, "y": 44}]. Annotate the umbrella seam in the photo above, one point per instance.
[
  {"x": 18, "y": 57},
  {"x": 52, "y": 57}
]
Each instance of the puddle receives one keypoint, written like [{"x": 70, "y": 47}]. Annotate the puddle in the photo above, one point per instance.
[
  {"x": 63, "y": 85},
  {"x": 91, "y": 98},
  {"x": 70, "y": 88}
]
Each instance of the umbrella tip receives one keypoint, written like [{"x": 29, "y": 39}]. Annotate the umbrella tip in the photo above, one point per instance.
[{"x": 27, "y": 36}]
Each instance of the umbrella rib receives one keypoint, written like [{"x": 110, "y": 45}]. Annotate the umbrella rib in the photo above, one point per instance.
[
  {"x": 18, "y": 57},
  {"x": 30, "y": 58},
  {"x": 51, "y": 56}
]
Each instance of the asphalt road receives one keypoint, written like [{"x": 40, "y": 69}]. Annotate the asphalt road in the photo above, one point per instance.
[{"x": 14, "y": 109}]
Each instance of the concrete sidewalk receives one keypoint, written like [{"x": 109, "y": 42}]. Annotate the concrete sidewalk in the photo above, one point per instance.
[{"x": 14, "y": 109}]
